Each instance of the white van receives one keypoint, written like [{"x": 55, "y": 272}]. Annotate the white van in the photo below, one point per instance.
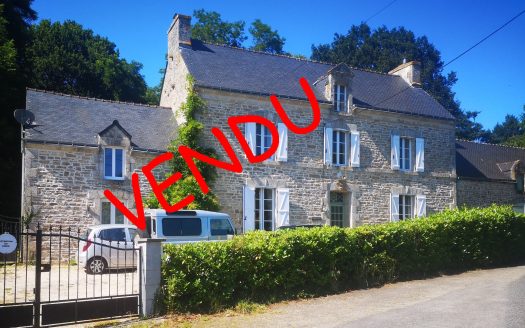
[{"x": 188, "y": 226}]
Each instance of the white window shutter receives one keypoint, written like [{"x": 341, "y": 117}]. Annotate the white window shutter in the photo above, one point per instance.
[
  {"x": 282, "y": 150},
  {"x": 354, "y": 149},
  {"x": 283, "y": 207},
  {"x": 395, "y": 152},
  {"x": 248, "y": 209},
  {"x": 420, "y": 154},
  {"x": 394, "y": 208},
  {"x": 421, "y": 206},
  {"x": 249, "y": 133},
  {"x": 328, "y": 136}
]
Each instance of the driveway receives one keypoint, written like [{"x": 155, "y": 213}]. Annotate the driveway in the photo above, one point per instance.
[
  {"x": 63, "y": 282},
  {"x": 484, "y": 298}
]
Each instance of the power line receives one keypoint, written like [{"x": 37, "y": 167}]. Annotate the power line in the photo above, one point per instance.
[
  {"x": 380, "y": 11},
  {"x": 485, "y": 38},
  {"x": 458, "y": 56}
]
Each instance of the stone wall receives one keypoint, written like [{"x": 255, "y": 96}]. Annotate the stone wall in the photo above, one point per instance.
[
  {"x": 64, "y": 185},
  {"x": 310, "y": 180},
  {"x": 485, "y": 193}
]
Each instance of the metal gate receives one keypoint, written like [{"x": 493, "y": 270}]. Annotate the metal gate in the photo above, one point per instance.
[{"x": 47, "y": 283}]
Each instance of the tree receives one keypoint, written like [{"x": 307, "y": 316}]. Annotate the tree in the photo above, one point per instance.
[
  {"x": 211, "y": 28},
  {"x": 68, "y": 58},
  {"x": 266, "y": 39},
  {"x": 502, "y": 132},
  {"x": 384, "y": 49},
  {"x": 15, "y": 19}
]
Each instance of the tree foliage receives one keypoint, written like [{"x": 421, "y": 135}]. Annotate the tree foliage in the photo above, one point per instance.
[
  {"x": 67, "y": 58},
  {"x": 266, "y": 39},
  {"x": 189, "y": 134},
  {"x": 383, "y": 49},
  {"x": 211, "y": 28},
  {"x": 15, "y": 19}
]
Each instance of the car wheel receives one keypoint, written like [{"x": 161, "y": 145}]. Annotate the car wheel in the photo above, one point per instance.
[{"x": 96, "y": 265}]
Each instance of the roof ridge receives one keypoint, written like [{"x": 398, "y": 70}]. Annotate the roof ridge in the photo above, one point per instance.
[
  {"x": 296, "y": 58},
  {"x": 96, "y": 99},
  {"x": 491, "y": 144}
]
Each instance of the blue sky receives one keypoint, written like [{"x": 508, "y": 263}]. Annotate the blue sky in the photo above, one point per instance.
[{"x": 491, "y": 77}]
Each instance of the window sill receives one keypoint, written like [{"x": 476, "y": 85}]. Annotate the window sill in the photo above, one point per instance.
[{"x": 114, "y": 179}]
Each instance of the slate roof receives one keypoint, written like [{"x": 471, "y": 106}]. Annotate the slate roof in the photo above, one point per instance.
[
  {"x": 486, "y": 161},
  {"x": 76, "y": 120},
  {"x": 241, "y": 70}
]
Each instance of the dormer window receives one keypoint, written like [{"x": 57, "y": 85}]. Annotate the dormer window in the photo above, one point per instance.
[
  {"x": 340, "y": 98},
  {"x": 114, "y": 163}
]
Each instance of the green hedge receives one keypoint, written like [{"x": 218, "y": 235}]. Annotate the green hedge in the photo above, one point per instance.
[{"x": 263, "y": 266}]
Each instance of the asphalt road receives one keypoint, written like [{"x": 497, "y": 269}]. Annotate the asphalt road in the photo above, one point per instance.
[{"x": 484, "y": 298}]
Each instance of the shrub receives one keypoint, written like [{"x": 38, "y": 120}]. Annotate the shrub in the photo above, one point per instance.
[{"x": 270, "y": 266}]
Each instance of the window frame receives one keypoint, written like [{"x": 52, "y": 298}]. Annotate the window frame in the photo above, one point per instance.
[
  {"x": 403, "y": 205},
  {"x": 339, "y": 204},
  {"x": 260, "y": 140},
  {"x": 338, "y": 133},
  {"x": 112, "y": 214},
  {"x": 403, "y": 141},
  {"x": 113, "y": 163},
  {"x": 260, "y": 208},
  {"x": 338, "y": 101}
]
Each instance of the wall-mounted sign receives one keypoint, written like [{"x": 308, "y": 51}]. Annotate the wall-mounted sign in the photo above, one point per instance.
[{"x": 7, "y": 243}]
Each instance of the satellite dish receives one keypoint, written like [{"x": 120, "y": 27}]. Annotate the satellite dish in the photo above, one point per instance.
[{"x": 24, "y": 117}]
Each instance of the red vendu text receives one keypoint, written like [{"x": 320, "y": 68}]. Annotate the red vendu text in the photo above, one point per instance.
[{"x": 233, "y": 165}]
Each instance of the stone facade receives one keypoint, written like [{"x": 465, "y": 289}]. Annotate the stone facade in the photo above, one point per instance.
[
  {"x": 485, "y": 193},
  {"x": 64, "y": 185},
  {"x": 310, "y": 180}
]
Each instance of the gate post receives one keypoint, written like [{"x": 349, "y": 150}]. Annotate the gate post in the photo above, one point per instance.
[
  {"x": 151, "y": 254},
  {"x": 38, "y": 268}
]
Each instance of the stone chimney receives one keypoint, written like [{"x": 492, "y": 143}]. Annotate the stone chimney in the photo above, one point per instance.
[
  {"x": 410, "y": 72},
  {"x": 179, "y": 33}
]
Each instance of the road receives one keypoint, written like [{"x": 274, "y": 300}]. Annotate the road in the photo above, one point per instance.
[{"x": 483, "y": 298}]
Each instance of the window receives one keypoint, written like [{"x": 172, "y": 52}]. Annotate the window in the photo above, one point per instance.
[
  {"x": 406, "y": 207},
  {"x": 337, "y": 209},
  {"x": 181, "y": 227},
  {"x": 220, "y": 227},
  {"x": 340, "y": 98},
  {"x": 405, "y": 154},
  {"x": 114, "y": 164},
  {"x": 339, "y": 148},
  {"x": 117, "y": 234},
  {"x": 264, "y": 209},
  {"x": 110, "y": 215},
  {"x": 263, "y": 139}
]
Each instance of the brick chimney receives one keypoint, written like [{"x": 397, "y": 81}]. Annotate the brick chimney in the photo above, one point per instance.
[
  {"x": 410, "y": 72},
  {"x": 179, "y": 33}
]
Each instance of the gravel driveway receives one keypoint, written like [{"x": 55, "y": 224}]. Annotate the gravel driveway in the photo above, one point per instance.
[
  {"x": 484, "y": 298},
  {"x": 64, "y": 279}
]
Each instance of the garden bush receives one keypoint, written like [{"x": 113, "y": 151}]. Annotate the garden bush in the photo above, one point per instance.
[{"x": 271, "y": 266}]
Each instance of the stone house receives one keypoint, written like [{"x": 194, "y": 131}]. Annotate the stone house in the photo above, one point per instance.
[
  {"x": 384, "y": 150},
  {"x": 490, "y": 174},
  {"x": 83, "y": 146}
]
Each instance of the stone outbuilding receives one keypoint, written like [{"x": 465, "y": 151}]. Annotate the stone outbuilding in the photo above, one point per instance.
[{"x": 490, "y": 174}]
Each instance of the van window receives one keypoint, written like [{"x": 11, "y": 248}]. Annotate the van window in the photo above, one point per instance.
[
  {"x": 115, "y": 234},
  {"x": 220, "y": 227},
  {"x": 181, "y": 226},
  {"x": 148, "y": 225}
]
